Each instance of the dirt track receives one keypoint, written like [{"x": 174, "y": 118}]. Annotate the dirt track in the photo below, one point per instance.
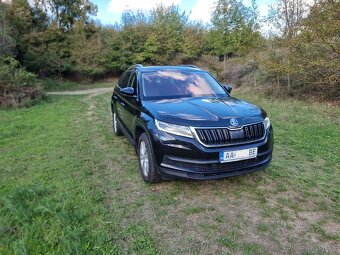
[{"x": 96, "y": 91}]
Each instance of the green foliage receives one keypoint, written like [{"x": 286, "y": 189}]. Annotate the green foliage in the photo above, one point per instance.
[
  {"x": 43, "y": 37},
  {"x": 128, "y": 44},
  {"x": 234, "y": 27},
  {"x": 317, "y": 47},
  {"x": 7, "y": 42},
  {"x": 168, "y": 24},
  {"x": 17, "y": 86},
  {"x": 193, "y": 41},
  {"x": 87, "y": 52},
  {"x": 57, "y": 38},
  {"x": 21, "y": 17},
  {"x": 306, "y": 58},
  {"x": 156, "y": 40},
  {"x": 64, "y": 40},
  {"x": 13, "y": 75},
  {"x": 65, "y": 13},
  {"x": 48, "y": 52},
  {"x": 151, "y": 52}
]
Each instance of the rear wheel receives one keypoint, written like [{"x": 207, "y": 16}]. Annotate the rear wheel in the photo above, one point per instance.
[
  {"x": 115, "y": 125},
  {"x": 147, "y": 163}
]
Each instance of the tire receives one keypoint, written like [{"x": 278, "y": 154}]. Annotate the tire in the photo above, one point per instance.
[
  {"x": 147, "y": 163},
  {"x": 115, "y": 125}
]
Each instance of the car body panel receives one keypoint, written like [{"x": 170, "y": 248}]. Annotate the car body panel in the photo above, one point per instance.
[{"x": 204, "y": 112}]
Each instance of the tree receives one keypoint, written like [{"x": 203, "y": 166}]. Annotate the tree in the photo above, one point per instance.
[
  {"x": 87, "y": 50},
  {"x": 12, "y": 74},
  {"x": 152, "y": 49},
  {"x": 317, "y": 48},
  {"x": 7, "y": 42},
  {"x": 193, "y": 41},
  {"x": 64, "y": 13},
  {"x": 168, "y": 25},
  {"x": 287, "y": 16},
  {"x": 42, "y": 32},
  {"x": 48, "y": 52},
  {"x": 22, "y": 20},
  {"x": 233, "y": 28},
  {"x": 21, "y": 17},
  {"x": 128, "y": 45}
]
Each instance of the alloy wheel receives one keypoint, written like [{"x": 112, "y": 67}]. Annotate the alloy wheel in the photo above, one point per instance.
[{"x": 144, "y": 158}]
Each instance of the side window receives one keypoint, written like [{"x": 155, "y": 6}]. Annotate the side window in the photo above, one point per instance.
[
  {"x": 133, "y": 81},
  {"x": 123, "y": 82}
]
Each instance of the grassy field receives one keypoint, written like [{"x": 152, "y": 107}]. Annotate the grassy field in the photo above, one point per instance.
[
  {"x": 67, "y": 186},
  {"x": 62, "y": 85}
]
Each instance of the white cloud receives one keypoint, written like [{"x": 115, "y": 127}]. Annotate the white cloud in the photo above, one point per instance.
[
  {"x": 263, "y": 9},
  {"x": 202, "y": 10},
  {"x": 262, "y": 6},
  {"x": 118, "y": 6}
]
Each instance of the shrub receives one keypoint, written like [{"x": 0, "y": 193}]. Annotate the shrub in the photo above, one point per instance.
[{"x": 17, "y": 86}]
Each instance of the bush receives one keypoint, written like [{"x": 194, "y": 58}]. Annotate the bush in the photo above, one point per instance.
[
  {"x": 211, "y": 64},
  {"x": 13, "y": 75},
  {"x": 17, "y": 86}
]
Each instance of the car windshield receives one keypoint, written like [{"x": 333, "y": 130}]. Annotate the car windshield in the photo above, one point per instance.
[{"x": 177, "y": 84}]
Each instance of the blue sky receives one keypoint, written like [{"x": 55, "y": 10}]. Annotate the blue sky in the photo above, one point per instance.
[{"x": 109, "y": 11}]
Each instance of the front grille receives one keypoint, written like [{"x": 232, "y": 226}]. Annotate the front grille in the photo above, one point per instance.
[{"x": 225, "y": 136}]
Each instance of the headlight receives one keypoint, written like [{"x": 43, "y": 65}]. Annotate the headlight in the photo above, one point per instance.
[
  {"x": 266, "y": 123},
  {"x": 174, "y": 129}
]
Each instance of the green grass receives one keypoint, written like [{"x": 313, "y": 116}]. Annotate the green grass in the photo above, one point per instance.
[
  {"x": 64, "y": 85},
  {"x": 49, "y": 198},
  {"x": 67, "y": 186}
]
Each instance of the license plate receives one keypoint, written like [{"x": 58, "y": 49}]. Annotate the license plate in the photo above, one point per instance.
[{"x": 229, "y": 156}]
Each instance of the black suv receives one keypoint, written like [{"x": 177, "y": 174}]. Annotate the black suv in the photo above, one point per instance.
[{"x": 184, "y": 124}]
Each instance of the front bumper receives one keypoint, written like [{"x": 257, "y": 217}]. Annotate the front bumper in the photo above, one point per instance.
[{"x": 186, "y": 158}]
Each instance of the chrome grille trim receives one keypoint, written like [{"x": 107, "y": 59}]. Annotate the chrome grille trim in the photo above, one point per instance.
[{"x": 221, "y": 133}]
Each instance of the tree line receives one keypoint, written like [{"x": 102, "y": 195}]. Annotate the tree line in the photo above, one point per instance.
[{"x": 61, "y": 39}]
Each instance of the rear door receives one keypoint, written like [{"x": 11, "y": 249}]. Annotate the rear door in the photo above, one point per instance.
[{"x": 121, "y": 102}]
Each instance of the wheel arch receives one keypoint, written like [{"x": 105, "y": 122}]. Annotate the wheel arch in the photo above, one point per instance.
[
  {"x": 141, "y": 126},
  {"x": 138, "y": 131}
]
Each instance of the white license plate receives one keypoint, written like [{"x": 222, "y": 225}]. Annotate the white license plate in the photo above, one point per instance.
[{"x": 229, "y": 156}]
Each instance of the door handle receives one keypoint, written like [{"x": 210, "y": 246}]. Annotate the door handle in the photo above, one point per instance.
[{"x": 122, "y": 103}]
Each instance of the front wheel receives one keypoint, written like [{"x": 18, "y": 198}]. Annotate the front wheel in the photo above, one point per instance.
[{"x": 147, "y": 162}]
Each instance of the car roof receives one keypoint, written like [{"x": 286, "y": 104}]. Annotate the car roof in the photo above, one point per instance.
[{"x": 160, "y": 68}]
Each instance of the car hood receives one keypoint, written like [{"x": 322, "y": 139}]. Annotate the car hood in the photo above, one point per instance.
[{"x": 203, "y": 112}]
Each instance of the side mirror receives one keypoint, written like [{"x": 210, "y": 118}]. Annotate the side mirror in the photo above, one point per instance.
[
  {"x": 128, "y": 91},
  {"x": 227, "y": 88}
]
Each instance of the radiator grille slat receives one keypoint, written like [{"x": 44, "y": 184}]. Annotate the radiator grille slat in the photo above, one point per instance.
[
  {"x": 226, "y": 135},
  {"x": 255, "y": 129},
  {"x": 218, "y": 136}
]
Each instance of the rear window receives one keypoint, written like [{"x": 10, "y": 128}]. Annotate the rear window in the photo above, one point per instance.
[{"x": 176, "y": 84}]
